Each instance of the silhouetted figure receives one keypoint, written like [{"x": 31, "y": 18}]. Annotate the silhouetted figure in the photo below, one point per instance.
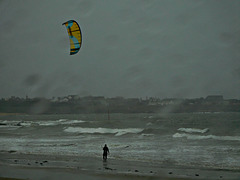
[{"x": 105, "y": 152}]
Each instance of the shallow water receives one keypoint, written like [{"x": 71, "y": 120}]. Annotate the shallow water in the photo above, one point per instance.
[{"x": 197, "y": 139}]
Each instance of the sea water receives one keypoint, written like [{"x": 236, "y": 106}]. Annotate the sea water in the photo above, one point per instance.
[{"x": 204, "y": 140}]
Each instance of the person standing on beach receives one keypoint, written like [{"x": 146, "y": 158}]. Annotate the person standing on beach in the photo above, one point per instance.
[{"x": 105, "y": 152}]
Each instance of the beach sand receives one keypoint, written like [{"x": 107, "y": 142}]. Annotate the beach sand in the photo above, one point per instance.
[{"x": 36, "y": 166}]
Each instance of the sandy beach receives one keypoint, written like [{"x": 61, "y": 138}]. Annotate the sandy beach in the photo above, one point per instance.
[{"x": 36, "y": 166}]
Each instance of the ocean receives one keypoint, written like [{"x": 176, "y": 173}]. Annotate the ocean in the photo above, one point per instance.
[{"x": 201, "y": 140}]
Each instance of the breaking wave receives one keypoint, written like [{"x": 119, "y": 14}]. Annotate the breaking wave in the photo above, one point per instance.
[
  {"x": 202, "y": 137},
  {"x": 117, "y": 132},
  {"x": 9, "y": 123},
  {"x": 193, "y": 130}
]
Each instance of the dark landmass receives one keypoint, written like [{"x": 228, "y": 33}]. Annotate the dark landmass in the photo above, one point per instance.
[{"x": 73, "y": 104}]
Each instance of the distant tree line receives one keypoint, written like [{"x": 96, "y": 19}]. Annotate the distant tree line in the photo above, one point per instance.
[{"x": 78, "y": 105}]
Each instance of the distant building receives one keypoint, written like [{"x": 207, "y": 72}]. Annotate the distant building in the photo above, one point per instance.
[
  {"x": 117, "y": 100},
  {"x": 214, "y": 98},
  {"x": 169, "y": 101}
]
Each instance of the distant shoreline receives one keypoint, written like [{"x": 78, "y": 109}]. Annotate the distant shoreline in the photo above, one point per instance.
[
  {"x": 98, "y": 105},
  {"x": 6, "y": 114}
]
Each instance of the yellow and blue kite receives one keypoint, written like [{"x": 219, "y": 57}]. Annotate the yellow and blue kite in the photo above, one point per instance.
[{"x": 75, "y": 36}]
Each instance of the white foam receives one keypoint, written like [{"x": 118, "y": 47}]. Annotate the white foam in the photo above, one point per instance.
[
  {"x": 72, "y": 122},
  {"x": 10, "y": 127},
  {"x": 117, "y": 132},
  {"x": 8, "y": 123},
  {"x": 62, "y": 120},
  {"x": 193, "y": 130},
  {"x": 149, "y": 124},
  {"x": 59, "y": 122},
  {"x": 202, "y": 137}
]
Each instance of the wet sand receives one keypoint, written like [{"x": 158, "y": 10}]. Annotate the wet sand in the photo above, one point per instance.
[{"x": 29, "y": 166}]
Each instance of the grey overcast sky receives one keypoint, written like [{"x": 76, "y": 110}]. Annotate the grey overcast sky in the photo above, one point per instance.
[{"x": 131, "y": 48}]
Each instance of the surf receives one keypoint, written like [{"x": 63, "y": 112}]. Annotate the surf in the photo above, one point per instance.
[
  {"x": 193, "y": 130},
  {"x": 100, "y": 130},
  {"x": 205, "y": 137}
]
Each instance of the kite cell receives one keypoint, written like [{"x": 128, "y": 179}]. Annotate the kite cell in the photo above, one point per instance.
[{"x": 75, "y": 36}]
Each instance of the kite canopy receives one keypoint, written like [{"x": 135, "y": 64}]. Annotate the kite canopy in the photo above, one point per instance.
[{"x": 75, "y": 36}]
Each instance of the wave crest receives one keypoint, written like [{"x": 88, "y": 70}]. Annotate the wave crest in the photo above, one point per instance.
[
  {"x": 202, "y": 137},
  {"x": 193, "y": 130},
  {"x": 117, "y": 132}
]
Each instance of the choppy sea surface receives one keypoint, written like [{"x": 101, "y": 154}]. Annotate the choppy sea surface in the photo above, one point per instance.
[{"x": 208, "y": 140}]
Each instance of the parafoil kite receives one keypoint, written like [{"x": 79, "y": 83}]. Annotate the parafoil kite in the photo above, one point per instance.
[{"x": 75, "y": 36}]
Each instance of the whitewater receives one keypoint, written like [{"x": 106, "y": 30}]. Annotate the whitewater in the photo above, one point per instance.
[{"x": 201, "y": 140}]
